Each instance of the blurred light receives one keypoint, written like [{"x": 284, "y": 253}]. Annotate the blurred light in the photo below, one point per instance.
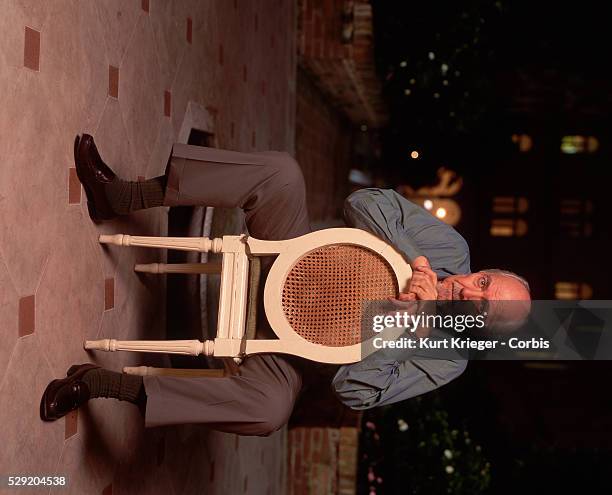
[
  {"x": 452, "y": 114},
  {"x": 407, "y": 92},
  {"x": 457, "y": 73},
  {"x": 412, "y": 81},
  {"x": 511, "y": 204},
  {"x": 403, "y": 63},
  {"x": 524, "y": 141},
  {"x": 579, "y": 144},
  {"x": 364, "y": 127},
  {"x": 444, "y": 69},
  {"x": 444, "y": 209},
  {"x": 431, "y": 55},
  {"x": 414, "y": 154},
  {"x": 592, "y": 144},
  {"x": 445, "y": 82},
  {"x": 508, "y": 227},
  {"x": 436, "y": 95},
  {"x": 573, "y": 290}
]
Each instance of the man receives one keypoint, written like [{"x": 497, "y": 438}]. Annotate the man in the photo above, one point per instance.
[
  {"x": 269, "y": 187},
  {"x": 441, "y": 271}
]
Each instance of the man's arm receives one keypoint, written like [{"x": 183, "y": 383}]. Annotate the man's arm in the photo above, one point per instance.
[
  {"x": 377, "y": 382},
  {"x": 411, "y": 229},
  {"x": 382, "y": 379}
]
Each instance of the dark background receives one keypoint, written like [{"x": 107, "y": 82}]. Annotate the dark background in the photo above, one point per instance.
[
  {"x": 539, "y": 68},
  {"x": 536, "y": 68}
]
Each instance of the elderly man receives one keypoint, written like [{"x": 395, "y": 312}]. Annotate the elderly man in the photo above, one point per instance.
[{"x": 269, "y": 187}]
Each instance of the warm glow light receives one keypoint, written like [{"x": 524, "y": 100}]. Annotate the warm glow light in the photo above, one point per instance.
[
  {"x": 524, "y": 142},
  {"x": 407, "y": 92},
  {"x": 441, "y": 212},
  {"x": 428, "y": 204},
  {"x": 573, "y": 290},
  {"x": 592, "y": 144},
  {"x": 414, "y": 154},
  {"x": 364, "y": 128},
  {"x": 403, "y": 63},
  {"x": 579, "y": 144}
]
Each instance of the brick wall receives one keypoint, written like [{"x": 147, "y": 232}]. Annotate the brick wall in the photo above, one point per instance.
[
  {"x": 323, "y": 149},
  {"x": 322, "y": 461},
  {"x": 335, "y": 45},
  {"x": 320, "y": 26}
]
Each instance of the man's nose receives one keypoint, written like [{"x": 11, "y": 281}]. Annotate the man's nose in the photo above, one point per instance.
[{"x": 470, "y": 294}]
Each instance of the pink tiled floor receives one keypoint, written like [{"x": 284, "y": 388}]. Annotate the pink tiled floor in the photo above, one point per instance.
[{"x": 125, "y": 71}]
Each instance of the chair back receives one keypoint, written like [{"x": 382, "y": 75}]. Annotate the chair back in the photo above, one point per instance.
[
  {"x": 319, "y": 292},
  {"x": 326, "y": 293}
]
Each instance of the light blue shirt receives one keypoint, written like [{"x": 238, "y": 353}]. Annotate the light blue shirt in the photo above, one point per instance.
[{"x": 380, "y": 380}]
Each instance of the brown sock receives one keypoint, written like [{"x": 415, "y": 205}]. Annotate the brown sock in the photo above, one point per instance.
[
  {"x": 106, "y": 383},
  {"x": 127, "y": 196}
]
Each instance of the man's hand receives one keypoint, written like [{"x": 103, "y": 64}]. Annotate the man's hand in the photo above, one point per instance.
[
  {"x": 423, "y": 282},
  {"x": 422, "y": 288}
]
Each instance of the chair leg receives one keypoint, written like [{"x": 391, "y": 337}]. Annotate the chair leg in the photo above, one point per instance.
[
  {"x": 158, "y": 268},
  {"x": 151, "y": 371},
  {"x": 201, "y": 244},
  {"x": 185, "y": 347}
]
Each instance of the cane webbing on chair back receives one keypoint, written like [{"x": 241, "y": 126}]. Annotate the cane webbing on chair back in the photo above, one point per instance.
[{"x": 324, "y": 292}]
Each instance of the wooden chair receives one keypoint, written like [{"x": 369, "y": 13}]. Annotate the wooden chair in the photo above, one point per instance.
[{"x": 314, "y": 295}]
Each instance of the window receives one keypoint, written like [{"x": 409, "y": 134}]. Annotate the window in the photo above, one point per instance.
[
  {"x": 575, "y": 217},
  {"x": 576, "y": 207},
  {"x": 571, "y": 145},
  {"x": 573, "y": 290},
  {"x": 510, "y": 204},
  {"x": 508, "y": 220},
  {"x": 504, "y": 227},
  {"x": 523, "y": 142}
]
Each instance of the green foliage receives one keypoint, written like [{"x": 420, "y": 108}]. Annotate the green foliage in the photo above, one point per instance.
[
  {"x": 417, "y": 448},
  {"x": 437, "y": 60}
]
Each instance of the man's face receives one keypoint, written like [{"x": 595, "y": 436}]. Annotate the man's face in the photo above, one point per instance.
[
  {"x": 481, "y": 286},
  {"x": 486, "y": 289}
]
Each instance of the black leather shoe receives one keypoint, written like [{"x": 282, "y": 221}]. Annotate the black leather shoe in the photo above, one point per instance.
[
  {"x": 93, "y": 174},
  {"x": 66, "y": 394}
]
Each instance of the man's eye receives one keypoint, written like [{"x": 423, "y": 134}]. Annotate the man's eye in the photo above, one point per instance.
[{"x": 482, "y": 282}]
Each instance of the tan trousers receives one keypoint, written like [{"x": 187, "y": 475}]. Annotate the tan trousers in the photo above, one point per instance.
[{"x": 269, "y": 187}]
